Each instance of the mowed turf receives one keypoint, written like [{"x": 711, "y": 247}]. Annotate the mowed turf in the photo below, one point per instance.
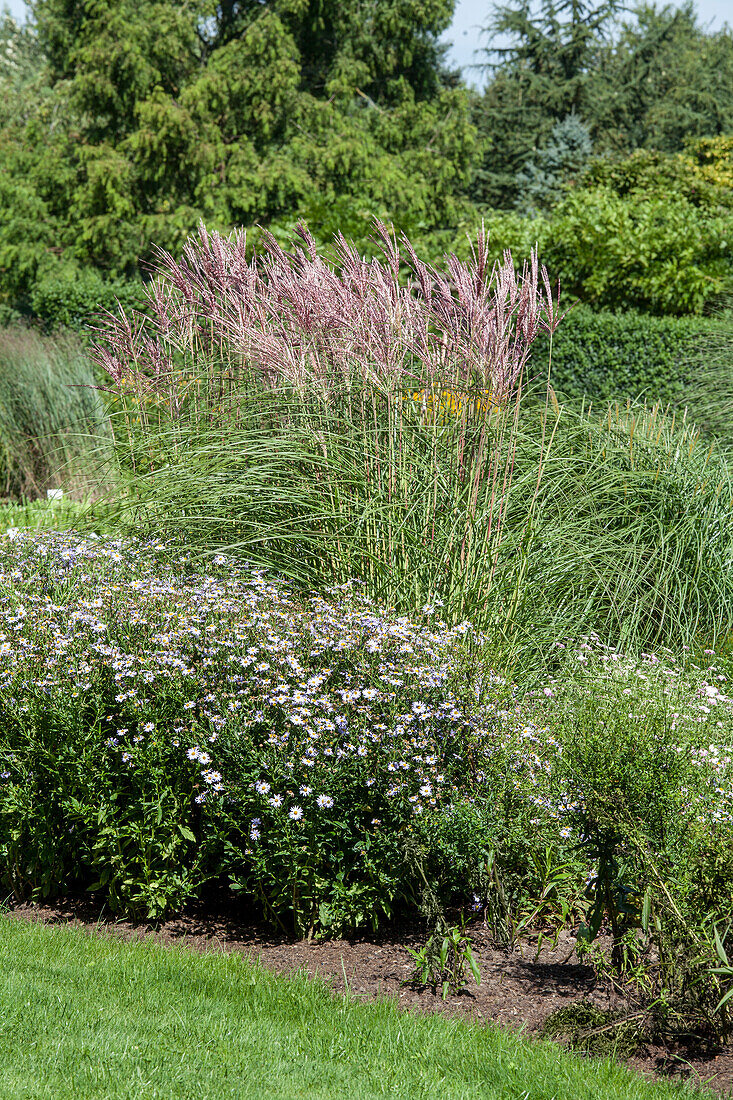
[{"x": 86, "y": 1015}]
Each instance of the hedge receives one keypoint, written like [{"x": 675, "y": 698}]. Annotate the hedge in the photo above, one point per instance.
[
  {"x": 604, "y": 357},
  {"x": 74, "y": 299}
]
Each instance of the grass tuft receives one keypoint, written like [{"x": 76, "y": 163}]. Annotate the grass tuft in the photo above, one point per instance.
[{"x": 52, "y": 417}]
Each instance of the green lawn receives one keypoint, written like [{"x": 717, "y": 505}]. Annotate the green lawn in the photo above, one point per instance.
[{"x": 87, "y": 1016}]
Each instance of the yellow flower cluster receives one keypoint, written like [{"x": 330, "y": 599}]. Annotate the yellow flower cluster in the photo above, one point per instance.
[{"x": 442, "y": 406}]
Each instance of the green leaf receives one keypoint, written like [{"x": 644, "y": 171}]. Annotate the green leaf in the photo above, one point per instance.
[
  {"x": 719, "y": 948},
  {"x": 724, "y": 1000}
]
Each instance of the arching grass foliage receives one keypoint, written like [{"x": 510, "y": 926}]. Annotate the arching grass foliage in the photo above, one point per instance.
[
  {"x": 297, "y": 414},
  {"x": 52, "y": 417}
]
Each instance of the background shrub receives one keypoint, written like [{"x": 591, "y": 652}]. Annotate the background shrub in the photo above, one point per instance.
[
  {"x": 73, "y": 298},
  {"x": 653, "y": 252}
]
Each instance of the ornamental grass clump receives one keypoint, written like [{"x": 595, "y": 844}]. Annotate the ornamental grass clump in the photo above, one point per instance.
[
  {"x": 52, "y": 418},
  {"x": 299, "y": 412},
  {"x": 380, "y": 420}
]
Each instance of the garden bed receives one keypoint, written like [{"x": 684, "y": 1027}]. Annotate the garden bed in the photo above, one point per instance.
[{"x": 173, "y": 733}]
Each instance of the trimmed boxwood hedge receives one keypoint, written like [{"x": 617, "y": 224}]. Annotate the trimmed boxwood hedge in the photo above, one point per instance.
[{"x": 605, "y": 357}]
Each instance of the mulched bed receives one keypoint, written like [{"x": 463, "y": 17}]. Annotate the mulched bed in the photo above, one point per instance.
[{"x": 517, "y": 988}]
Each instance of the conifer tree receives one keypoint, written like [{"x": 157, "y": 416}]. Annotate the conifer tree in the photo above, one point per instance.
[
  {"x": 544, "y": 73},
  {"x": 558, "y": 163},
  {"x": 240, "y": 112}
]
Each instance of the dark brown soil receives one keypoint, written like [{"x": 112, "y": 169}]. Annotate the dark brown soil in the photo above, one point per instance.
[{"x": 518, "y": 987}]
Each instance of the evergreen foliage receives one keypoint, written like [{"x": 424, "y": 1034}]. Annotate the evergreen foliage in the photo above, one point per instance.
[
  {"x": 156, "y": 114},
  {"x": 560, "y": 161},
  {"x": 545, "y": 73},
  {"x": 667, "y": 79},
  {"x": 123, "y": 125},
  {"x": 654, "y": 81}
]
